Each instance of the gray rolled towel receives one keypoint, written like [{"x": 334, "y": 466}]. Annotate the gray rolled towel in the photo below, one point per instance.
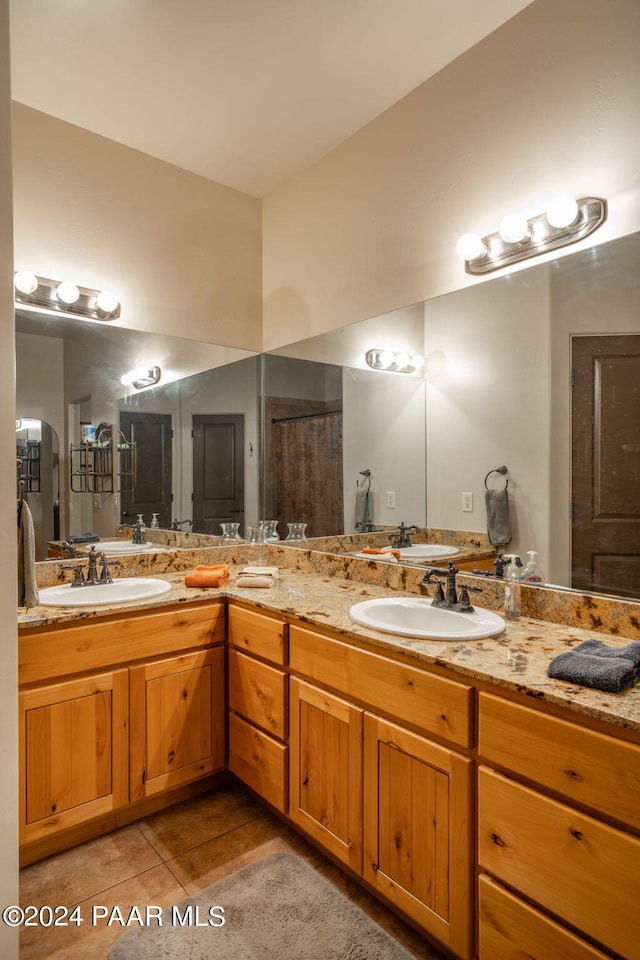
[
  {"x": 594, "y": 664},
  {"x": 498, "y": 525}
]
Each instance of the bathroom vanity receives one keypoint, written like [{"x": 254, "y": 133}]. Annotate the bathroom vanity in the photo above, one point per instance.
[{"x": 391, "y": 754}]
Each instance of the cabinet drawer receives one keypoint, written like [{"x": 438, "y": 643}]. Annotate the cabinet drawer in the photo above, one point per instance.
[
  {"x": 589, "y": 767},
  {"x": 510, "y": 929},
  {"x": 254, "y": 633},
  {"x": 434, "y": 704},
  {"x": 259, "y": 761},
  {"x": 583, "y": 871},
  {"x": 258, "y": 693},
  {"x": 46, "y": 652}
]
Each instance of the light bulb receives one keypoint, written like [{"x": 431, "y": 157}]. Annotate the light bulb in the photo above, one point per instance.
[
  {"x": 562, "y": 212},
  {"x": 471, "y": 247},
  {"x": 402, "y": 360},
  {"x": 68, "y": 292},
  {"x": 25, "y": 282},
  {"x": 385, "y": 358},
  {"x": 514, "y": 228},
  {"x": 138, "y": 374},
  {"x": 417, "y": 361},
  {"x": 107, "y": 302}
]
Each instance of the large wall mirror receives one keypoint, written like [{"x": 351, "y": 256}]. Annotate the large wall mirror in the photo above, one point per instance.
[{"x": 297, "y": 427}]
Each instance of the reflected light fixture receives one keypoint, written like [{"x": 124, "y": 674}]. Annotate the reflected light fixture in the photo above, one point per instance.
[
  {"x": 565, "y": 221},
  {"x": 393, "y": 361},
  {"x": 65, "y": 298},
  {"x": 141, "y": 377}
]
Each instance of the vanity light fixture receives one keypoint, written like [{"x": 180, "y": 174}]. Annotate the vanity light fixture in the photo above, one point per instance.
[
  {"x": 394, "y": 361},
  {"x": 141, "y": 377},
  {"x": 65, "y": 298},
  {"x": 518, "y": 238}
]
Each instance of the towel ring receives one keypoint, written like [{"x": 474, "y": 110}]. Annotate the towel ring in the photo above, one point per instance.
[{"x": 501, "y": 470}]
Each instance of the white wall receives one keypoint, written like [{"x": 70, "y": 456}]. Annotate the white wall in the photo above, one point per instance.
[
  {"x": 183, "y": 253},
  {"x": 384, "y": 429},
  {"x": 545, "y": 105},
  {"x": 8, "y": 584},
  {"x": 482, "y": 412}
]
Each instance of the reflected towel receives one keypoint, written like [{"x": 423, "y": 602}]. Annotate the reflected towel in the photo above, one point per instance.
[
  {"x": 363, "y": 511},
  {"x": 207, "y": 576},
  {"x": 384, "y": 553},
  {"x": 594, "y": 664},
  {"x": 498, "y": 526},
  {"x": 27, "y": 588}
]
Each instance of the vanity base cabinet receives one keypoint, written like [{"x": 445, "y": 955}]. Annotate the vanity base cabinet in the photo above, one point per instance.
[
  {"x": 584, "y": 872},
  {"x": 326, "y": 770},
  {"x": 73, "y": 752},
  {"x": 177, "y": 721},
  {"x": 417, "y": 830}
]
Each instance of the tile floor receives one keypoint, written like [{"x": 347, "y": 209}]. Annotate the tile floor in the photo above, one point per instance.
[{"x": 164, "y": 858}]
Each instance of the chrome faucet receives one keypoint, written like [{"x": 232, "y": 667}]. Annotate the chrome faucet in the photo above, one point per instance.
[
  {"x": 450, "y": 600},
  {"x": 139, "y": 531},
  {"x": 402, "y": 536}
]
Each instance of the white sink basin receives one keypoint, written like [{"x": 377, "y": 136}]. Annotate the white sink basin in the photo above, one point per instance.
[
  {"x": 417, "y": 617},
  {"x": 426, "y": 551},
  {"x": 122, "y": 590},
  {"x": 124, "y": 546}
]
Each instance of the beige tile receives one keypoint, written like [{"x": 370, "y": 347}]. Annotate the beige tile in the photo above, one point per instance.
[
  {"x": 85, "y": 870},
  {"x": 196, "y": 821},
  {"x": 92, "y": 941},
  {"x": 211, "y": 861}
]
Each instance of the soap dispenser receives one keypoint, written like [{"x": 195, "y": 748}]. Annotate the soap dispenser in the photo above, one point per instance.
[
  {"x": 532, "y": 574},
  {"x": 512, "y": 590},
  {"x": 154, "y": 522}
]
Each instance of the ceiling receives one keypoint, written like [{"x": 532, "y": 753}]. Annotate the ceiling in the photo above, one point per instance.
[{"x": 244, "y": 92}]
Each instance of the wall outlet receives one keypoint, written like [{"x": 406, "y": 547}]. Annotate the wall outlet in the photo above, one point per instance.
[
  {"x": 467, "y": 503},
  {"x": 97, "y": 501},
  {"x": 391, "y": 499}
]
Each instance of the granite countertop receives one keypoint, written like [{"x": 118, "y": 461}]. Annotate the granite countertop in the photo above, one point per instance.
[{"x": 516, "y": 660}]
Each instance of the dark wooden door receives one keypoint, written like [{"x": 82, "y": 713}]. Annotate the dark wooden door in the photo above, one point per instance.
[
  {"x": 152, "y": 493},
  {"x": 606, "y": 464},
  {"x": 218, "y": 471}
]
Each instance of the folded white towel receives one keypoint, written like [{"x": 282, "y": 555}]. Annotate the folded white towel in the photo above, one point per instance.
[
  {"x": 272, "y": 572},
  {"x": 253, "y": 580}
]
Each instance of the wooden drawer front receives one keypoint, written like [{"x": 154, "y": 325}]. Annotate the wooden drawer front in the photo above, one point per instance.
[
  {"x": 259, "y": 693},
  {"x": 583, "y": 871},
  {"x": 512, "y": 930},
  {"x": 258, "y": 760},
  {"x": 257, "y": 634},
  {"x": 55, "y": 652},
  {"x": 434, "y": 704},
  {"x": 583, "y": 765}
]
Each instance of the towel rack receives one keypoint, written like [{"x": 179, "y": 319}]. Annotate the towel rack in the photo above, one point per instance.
[
  {"x": 502, "y": 470},
  {"x": 367, "y": 474}
]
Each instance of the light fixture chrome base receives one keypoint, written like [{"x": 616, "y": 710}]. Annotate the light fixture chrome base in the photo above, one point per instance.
[
  {"x": 592, "y": 213},
  {"x": 44, "y": 297},
  {"x": 152, "y": 377}
]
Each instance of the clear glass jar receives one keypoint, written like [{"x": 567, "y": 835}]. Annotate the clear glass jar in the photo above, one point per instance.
[
  {"x": 256, "y": 534},
  {"x": 297, "y": 531},
  {"x": 230, "y": 533},
  {"x": 270, "y": 531}
]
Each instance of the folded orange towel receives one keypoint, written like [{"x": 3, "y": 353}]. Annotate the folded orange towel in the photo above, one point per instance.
[
  {"x": 394, "y": 553},
  {"x": 204, "y": 576}
]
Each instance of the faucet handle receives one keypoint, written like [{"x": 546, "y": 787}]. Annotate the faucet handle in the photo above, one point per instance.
[
  {"x": 465, "y": 589},
  {"x": 78, "y": 575}
]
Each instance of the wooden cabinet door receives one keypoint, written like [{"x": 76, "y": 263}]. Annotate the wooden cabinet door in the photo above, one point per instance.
[
  {"x": 73, "y": 753},
  {"x": 326, "y": 770},
  {"x": 418, "y": 830},
  {"x": 177, "y": 721}
]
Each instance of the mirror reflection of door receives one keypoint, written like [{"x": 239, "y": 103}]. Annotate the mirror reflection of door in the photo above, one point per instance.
[
  {"x": 152, "y": 493},
  {"x": 37, "y": 475},
  {"x": 218, "y": 471},
  {"x": 606, "y": 464}
]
